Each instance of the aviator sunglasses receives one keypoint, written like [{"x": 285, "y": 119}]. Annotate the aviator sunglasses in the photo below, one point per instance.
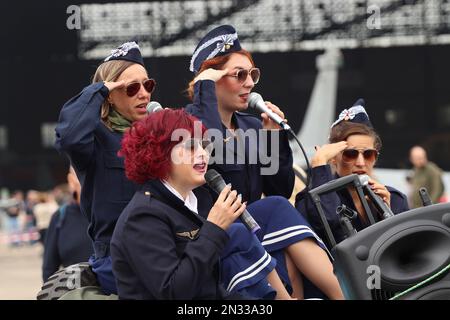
[
  {"x": 134, "y": 87},
  {"x": 350, "y": 155},
  {"x": 242, "y": 75}
]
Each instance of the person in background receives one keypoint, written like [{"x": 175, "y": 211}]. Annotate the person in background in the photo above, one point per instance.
[
  {"x": 43, "y": 212},
  {"x": 353, "y": 148},
  {"x": 67, "y": 241},
  {"x": 30, "y": 232},
  {"x": 425, "y": 174},
  {"x": 15, "y": 212}
]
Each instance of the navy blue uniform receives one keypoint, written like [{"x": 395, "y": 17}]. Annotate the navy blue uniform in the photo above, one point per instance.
[
  {"x": 67, "y": 241},
  {"x": 330, "y": 202},
  {"x": 162, "y": 250},
  {"x": 281, "y": 225},
  {"x": 245, "y": 178},
  {"x": 92, "y": 149}
]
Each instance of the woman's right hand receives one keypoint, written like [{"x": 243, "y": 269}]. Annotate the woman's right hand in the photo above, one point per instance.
[
  {"x": 111, "y": 85},
  {"x": 227, "y": 208},
  {"x": 327, "y": 152},
  {"x": 211, "y": 74}
]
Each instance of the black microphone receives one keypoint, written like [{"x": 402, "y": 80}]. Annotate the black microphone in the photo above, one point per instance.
[
  {"x": 255, "y": 101},
  {"x": 425, "y": 197},
  {"x": 153, "y": 106},
  {"x": 377, "y": 201},
  {"x": 216, "y": 182}
]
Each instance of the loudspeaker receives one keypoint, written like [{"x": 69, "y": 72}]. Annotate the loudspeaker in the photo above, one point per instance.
[{"x": 396, "y": 254}]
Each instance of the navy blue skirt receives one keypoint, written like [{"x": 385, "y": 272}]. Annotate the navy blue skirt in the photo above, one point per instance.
[
  {"x": 245, "y": 264},
  {"x": 281, "y": 225}
]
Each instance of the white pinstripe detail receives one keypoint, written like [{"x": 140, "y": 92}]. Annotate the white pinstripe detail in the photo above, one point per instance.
[
  {"x": 276, "y": 233},
  {"x": 239, "y": 277}
]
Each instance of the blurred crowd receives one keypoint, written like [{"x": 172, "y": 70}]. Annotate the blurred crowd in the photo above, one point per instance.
[{"x": 25, "y": 217}]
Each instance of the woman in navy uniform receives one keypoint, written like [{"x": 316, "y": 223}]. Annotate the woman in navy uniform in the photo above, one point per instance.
[
  {"x": 171, "y": 236},
  {"x": 354, "y": 148},
  {"x": 225, "y": 76},
  {"x": 89, "y": 131}
]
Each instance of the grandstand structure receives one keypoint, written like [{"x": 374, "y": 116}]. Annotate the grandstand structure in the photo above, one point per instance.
[{"x": 167, "y": 28}]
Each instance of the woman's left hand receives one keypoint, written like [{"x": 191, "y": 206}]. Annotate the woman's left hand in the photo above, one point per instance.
[
  {"x": 267, "y": 123},
  {"x": 380, "y": 190}
]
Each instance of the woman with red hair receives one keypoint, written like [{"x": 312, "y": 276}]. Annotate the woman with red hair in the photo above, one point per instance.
[{"x": 169, "y": 240}]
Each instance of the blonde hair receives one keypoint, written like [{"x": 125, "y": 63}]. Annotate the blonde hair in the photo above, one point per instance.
[{"x": 109, "y": 71}]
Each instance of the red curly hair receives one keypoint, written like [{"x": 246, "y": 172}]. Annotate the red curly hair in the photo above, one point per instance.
[{"x": 147, "y": 146}]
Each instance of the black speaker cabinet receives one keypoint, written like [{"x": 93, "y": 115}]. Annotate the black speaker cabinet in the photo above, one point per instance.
[{"x": 396, "y": 254}]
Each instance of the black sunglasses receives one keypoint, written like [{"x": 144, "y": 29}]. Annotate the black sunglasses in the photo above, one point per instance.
[
  {"x": 133, "y": 88},
  {"x": 350, "y": 155},
  {"x": 242, "y": 75}
]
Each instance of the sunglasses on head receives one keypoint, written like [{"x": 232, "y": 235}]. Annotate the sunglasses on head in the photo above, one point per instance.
[
  {"x": 349, "y": 155},
  {"x": 133, "y": 88},
  {"x": 242, "y": 75},
  {"x": 192, "y": 144}
]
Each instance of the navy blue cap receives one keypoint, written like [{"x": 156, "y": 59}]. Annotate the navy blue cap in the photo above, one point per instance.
[
  {"x": 219, "y": 41},
  {"x": 129, "y": 51},
  {"x": 356, "y": 114}
]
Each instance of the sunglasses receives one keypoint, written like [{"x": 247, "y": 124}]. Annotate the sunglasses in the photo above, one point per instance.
[
  {"x": 242, "y": 75},
  {"x": 192, "y": 144},
  {"x": 133, "y": 88},
  {"x": 350, "y": 155}
]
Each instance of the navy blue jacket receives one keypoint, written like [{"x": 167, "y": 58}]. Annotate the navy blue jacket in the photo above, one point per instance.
[
  {"x": 330, "y": 202},
  {"x": 66, "y": 241},
  {"x": 92, "y": 149},
  {"x": 162, "y": 250},
  {"x": 246, "y": 178}
]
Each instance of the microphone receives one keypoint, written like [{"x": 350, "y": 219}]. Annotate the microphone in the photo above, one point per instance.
[
  {"x": 153, "y": 106},
  {"x": 255, "y": 101},
  {"x": 216, "y": 182},
  {"x": 377, "y": 201},
  {"x": 425, "y": 197}
]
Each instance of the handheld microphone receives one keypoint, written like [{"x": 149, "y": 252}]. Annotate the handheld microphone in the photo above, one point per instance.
[
  {"x": 255, "y": 101},
  {"x": 153, "y": 106},
  {"x": 377, "y": 201},
  {"x": 216, "y": 182}
]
